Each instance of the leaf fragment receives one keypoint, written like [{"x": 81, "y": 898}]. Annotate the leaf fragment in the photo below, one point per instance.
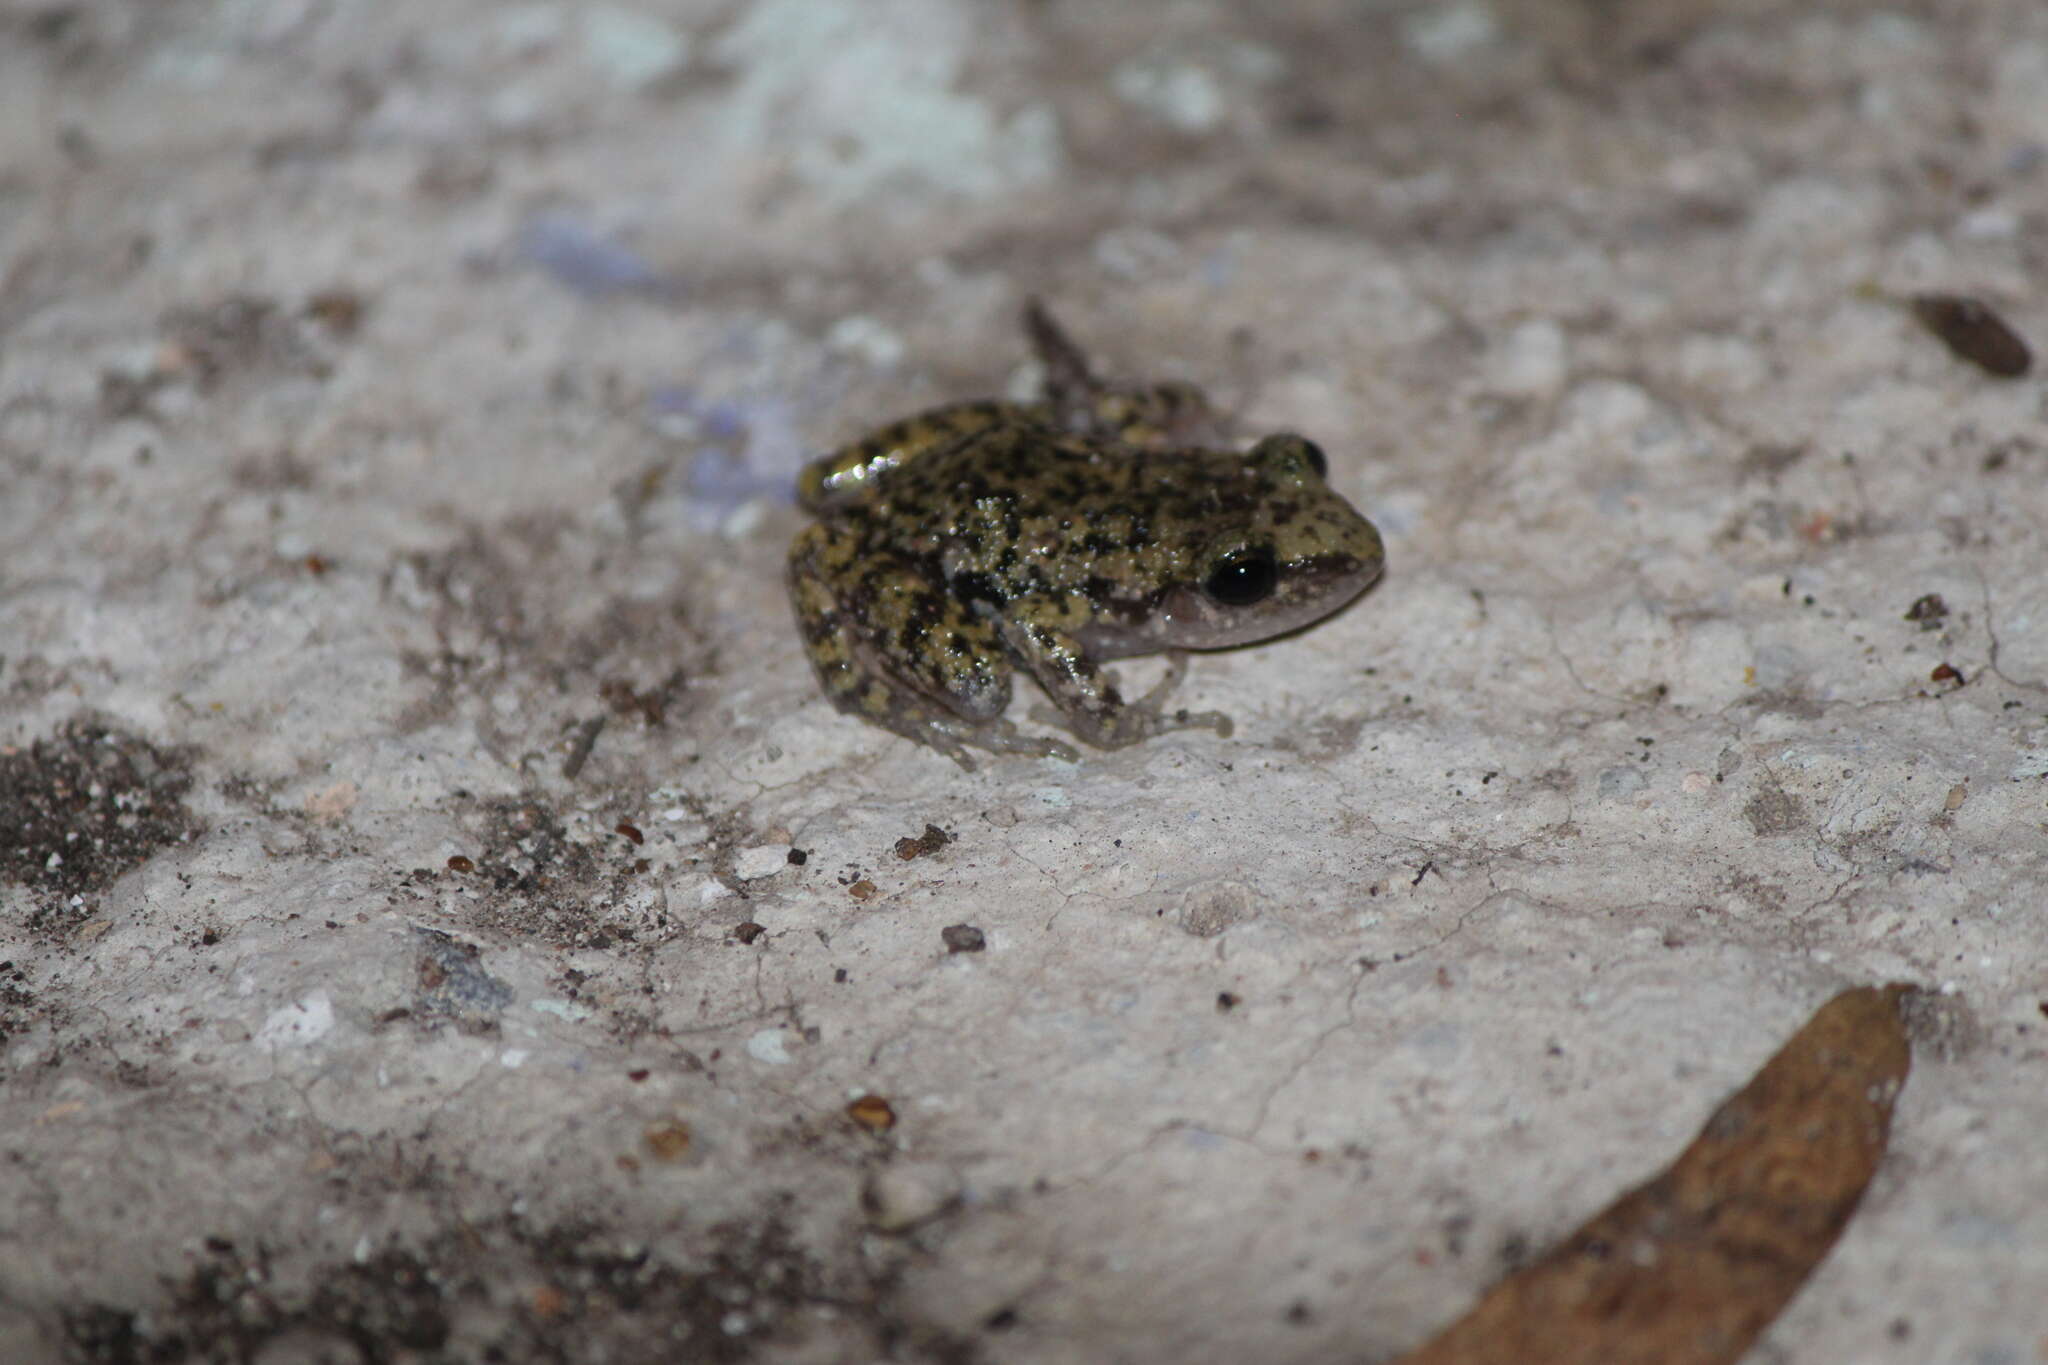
[{"x": 1691, "y": 1266}]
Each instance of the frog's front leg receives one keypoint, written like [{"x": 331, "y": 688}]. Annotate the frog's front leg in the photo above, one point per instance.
[
  {"x": 1087, "y": 697},
  {"x": 898, "y": 652}
]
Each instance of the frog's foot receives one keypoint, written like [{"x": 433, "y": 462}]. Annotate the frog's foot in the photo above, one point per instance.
[
  {"x": 1154, "y": 702},
  {"x": 1157, "y": 417},
  {"x": 1066, "y": 365},
  {"x": 952, "y": 737},
  {"x": 920, "y": 722},
  {"x": 935, "y": 737},
  {"x": 1134, "y": 723},
  {"x": 1141, "y": 718}
]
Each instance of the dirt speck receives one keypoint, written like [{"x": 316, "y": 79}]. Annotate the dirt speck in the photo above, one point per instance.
[
  {"x": 963, "y": 938},
  {"x": 1928, "y": 610},
  {"x": 1972, "y": 331},
  {"x": 923, "y": 845}
]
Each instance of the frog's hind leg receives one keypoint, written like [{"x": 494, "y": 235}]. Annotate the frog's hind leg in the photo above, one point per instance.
[
  {"x": 1168, "y": 415},
  {"x": 893, "y": 650}
]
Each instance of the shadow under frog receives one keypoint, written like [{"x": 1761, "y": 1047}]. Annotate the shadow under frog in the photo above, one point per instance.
[{"x": 1101, "y": 522}]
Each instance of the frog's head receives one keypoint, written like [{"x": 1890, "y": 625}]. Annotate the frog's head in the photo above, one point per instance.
[{"x": 1283, "y": 550}]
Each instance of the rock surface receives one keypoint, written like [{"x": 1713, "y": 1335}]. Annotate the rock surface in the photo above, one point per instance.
[{"x": 397, "y": 410}]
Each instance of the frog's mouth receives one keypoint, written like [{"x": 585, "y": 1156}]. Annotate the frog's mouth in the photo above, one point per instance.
[{"x": 1185, "y": 617}]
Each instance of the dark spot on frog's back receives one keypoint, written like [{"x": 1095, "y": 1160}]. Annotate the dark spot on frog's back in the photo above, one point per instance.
[{"x": 977, "y": 587}]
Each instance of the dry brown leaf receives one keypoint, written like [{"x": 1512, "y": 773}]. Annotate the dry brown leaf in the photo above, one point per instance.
[{"x": 1691, "y": 1266}]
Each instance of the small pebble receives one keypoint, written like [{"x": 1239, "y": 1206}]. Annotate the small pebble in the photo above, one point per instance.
[
  {"x": 898, "y": 1198},
  {"x": 763, "y": 860},
  {"x": 873, "y": 1113},
  {"x": 1973, "y": 332},
  {"x": 963, "y": 938}
]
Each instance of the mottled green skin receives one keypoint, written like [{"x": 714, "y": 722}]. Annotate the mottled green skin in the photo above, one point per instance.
[{"x": 957, "y": 545}]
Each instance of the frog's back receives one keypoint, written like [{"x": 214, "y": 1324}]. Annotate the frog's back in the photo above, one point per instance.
[{"x": 853, "y": 472}]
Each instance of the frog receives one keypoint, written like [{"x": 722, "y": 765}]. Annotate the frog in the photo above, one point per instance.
[{"x": 956, "y": 547}]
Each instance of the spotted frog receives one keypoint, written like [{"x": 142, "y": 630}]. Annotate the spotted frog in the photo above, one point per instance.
[{"x": 1101, "y": 522}]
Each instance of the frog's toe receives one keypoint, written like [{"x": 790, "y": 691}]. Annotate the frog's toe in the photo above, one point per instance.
[
  {"x": 1153, "y": 704},
  {"x": 1154, "y": 699},
  {"x": 1005, "y": 738},
  {"x": 1157, "y": 722},
  {"x": 947, "y": 745},
  {"x": 1055, "y": 748},
  {"x": 1199, "y": 720},
  {"x": 1132, "y": 725}
]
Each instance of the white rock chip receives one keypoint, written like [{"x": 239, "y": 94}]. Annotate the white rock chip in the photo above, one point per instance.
[{"x": 763, "y": 860}]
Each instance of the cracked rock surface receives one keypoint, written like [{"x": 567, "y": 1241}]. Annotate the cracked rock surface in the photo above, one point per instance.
[{"x": 439, "y": 910}]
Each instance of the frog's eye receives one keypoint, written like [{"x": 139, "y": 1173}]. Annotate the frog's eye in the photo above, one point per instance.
[
  {"x": 1242, "y": 577},
  {"x": 1287, "y": 453}
]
